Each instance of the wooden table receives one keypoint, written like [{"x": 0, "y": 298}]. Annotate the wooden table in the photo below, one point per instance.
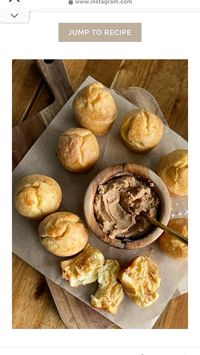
[{"x": 167, "y": 80}]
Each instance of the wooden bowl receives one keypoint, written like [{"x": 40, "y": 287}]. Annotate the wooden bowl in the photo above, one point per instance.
[{"x": 120, "y": 170}]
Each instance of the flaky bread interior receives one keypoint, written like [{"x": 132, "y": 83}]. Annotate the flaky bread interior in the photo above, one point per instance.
[
  {"x": 141, "y": 281},
  {"x": 110, "y": 293},
  {"x": 83, "y": 269}
]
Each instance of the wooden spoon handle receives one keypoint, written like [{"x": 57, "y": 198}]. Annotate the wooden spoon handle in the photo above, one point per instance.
[{"x": 165, "y": 228}]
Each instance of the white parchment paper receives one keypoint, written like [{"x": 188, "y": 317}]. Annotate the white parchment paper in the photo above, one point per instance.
[{"x": 42, "y": 159}]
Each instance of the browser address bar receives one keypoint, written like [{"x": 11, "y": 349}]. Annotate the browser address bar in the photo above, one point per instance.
[{"x": 143, "y": 5}]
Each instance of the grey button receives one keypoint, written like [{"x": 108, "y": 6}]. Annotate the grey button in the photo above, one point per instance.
[
  {"x": 21, "y": 16},
  {"x": 100, "y": 32}
]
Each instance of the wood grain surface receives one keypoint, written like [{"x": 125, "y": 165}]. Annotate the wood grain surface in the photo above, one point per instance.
[{"x": 33, "y": 306}]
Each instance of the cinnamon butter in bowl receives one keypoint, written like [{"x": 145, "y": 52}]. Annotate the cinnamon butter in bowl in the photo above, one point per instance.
[{"x": 115, "y": 200}]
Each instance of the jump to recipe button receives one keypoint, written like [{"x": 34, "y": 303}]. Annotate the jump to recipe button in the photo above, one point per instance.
[{"x": 100, "y": 32}]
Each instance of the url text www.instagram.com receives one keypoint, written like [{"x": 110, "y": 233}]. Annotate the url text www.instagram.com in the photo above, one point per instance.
[{"x": 101, "y": 2}]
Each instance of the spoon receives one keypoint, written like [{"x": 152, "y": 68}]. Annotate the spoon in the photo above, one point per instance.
[{"x": 165, "y": 228}]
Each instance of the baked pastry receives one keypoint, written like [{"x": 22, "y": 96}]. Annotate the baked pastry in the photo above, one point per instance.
[
  {"x": 83, "y": 268},
  {"x": 141, "y": 130},
  {"x": 173, "y": 170},
  {"x": 141, "y": 281},
  {"x": 171, "y": 245},
  {"x": 95, "y": 109},
  {"x": 77, "y": 150},
  {"x": 63, "y": 234},
  {"x": 36, "y": 196},
  {"x": 110, "y": 293}
]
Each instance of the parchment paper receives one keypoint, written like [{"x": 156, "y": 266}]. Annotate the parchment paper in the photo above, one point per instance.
[{"x": 42, "y": 159}]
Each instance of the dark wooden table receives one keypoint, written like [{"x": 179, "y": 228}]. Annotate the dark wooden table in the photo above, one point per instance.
[{"x": 167, "y": 80}]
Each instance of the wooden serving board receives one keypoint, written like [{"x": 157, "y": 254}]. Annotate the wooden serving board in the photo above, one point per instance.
[
  {"x": 27, "y": 132},
  {"x": 73, "y": 312}
]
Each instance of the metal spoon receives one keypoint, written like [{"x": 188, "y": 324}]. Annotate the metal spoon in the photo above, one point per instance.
[{"x": 165, "y": 228}]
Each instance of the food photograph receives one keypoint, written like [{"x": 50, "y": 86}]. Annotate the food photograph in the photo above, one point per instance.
[{"x": 100, "y": 194}]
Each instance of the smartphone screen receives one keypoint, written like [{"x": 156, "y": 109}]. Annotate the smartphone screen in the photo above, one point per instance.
[{"x": 98, "y": 99}]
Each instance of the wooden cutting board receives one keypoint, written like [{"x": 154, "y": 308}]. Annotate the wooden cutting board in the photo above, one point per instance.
[{"x": 27, "y": 132}]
